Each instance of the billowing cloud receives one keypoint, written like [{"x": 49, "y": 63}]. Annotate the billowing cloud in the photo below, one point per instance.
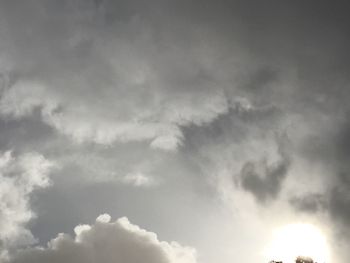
[
  {"x": 19, "y": 177},
  {"x": 106, "y": 242}
]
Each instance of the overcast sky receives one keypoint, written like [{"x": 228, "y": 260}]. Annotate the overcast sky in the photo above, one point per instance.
[{"x": 171, "y": 131}]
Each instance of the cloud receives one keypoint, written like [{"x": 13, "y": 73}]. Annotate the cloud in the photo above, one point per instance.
[
  {"x": 106, "y": 242},
  {"x": 247, "y": 149},
  {"x": 328, "y": 146},
  {"x": 138, "y": 179},
  {"x": 211, "y": 80},
  {"x": 339, "y": 200},
  {"x": 19, "y": 177},
  {"x": 142, "y": 92},
  {"x": 310, "y": 203},
  {"x": 263, "y": 179}
]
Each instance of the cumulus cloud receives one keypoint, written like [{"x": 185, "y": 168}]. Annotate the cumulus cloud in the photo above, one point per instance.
[
  {"x": 106, "y": 242},
  {"x": 19, "y": 177}
]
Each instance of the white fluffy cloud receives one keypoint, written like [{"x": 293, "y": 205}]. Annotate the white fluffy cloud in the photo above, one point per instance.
[
  {"x": 107, "y": 242},
  {"x": 19, "y": 177}
]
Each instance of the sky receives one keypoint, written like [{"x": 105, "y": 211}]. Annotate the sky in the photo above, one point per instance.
[{"x": 172, "y": 131}]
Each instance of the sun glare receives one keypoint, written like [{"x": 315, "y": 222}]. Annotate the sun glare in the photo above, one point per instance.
[{"x": 296, "y": 240}]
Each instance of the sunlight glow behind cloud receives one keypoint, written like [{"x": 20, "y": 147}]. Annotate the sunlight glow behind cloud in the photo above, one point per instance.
[{"x": 295, "y": 240}]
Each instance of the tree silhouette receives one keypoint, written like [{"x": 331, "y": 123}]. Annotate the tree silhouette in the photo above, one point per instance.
[{"x": 299, "y": 259}]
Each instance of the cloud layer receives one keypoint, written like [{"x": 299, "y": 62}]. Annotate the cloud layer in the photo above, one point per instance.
[
  {"x": 144, "y": 92},
  {"x": 100, "y": 86}
]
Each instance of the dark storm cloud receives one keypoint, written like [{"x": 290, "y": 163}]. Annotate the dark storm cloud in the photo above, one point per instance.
[
  {"x": 310, "y": 203},
  {"x": 329, "y": 146},
  {"x": 339, "y": 203},
  {"x": 264, "y": 180}
]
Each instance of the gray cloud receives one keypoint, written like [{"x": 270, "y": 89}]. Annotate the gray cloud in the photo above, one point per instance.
[
  {"x": 127, "y": 82},
  {"x": 264, "y": 180},
  {"x": 310, "y": 203},
  {"x": 329, "y": 147}
]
